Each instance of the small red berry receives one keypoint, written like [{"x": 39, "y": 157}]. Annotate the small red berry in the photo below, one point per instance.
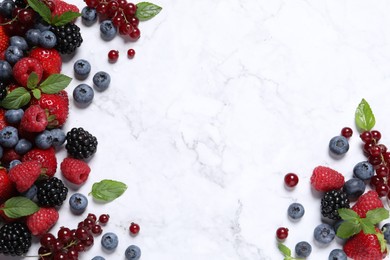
[
  {"x": 282, "y": 233},
  {"x": 382, "y": 189},
  {"x": 103, "y": 219},
  {"x": 134, "y": 228},
  {"x": 376, "y": 135},
  {"x": 113, "y": 55},
  {"x": 291, "y": 179},
  {"x": 131, "y": 53},
  {"x": 366, "y": 137},
  {"x": 346, "y": 132}
]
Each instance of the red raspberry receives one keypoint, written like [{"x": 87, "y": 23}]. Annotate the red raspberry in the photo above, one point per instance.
[
  {"x": 41, "y": 221},
  {"x": 9, "y": 155},
  {"x": 368, "y": 201},
  {"x": 47, "y": 159},
  {"x": 24, "y": 67},
  {"x": 25, "y": 174},
  {"x": 326, "y": 179},
  {"x": 34, "y": 119},
  {"x": 61, "y": 7},
  {"x": 74, "y": 170},
  {"x": 4, "y": 39},
  {"x": 6, "y": 186}
]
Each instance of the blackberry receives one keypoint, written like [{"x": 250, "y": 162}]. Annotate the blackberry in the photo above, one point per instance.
[
  {"x": 51, "y": 192},
  {"x": 15, "y": 239},
  {"x": 68, "y": 38},
  {"x": 332, "y": 201},
  {"x": 20, "y": 3},
  {"x": 80, "y": 144},
  {"x": 3, "y": 90}
]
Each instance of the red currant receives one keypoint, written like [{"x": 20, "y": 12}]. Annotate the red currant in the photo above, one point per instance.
[
  {"x": 131, "y": 53},
  {"x": 26, "y": 16},
  {"x": 64, "y": 235},
  {"x": 134, "y": 228},
  {"x": 44, "y": 253},
  {"x": 382, "y": 171},
  {"x": 103, "y": 219},
  {"x": 291, "y": 179},
  {"x": 366, "y": 137},
  {"x": 134, "y": 21},
  {"x": 113, "y": 55},
  {"x": 375, "y": 151},
  {"x": 125, "y": 28},
  {"x": 96, "y": 229},
  {"x": 282, "y": 233},
  {"x": 135, "y": 34},
  {"x": 129, "y": 9},
  {"x": 60, "y": 256},
  {"x": 92, "y": 3},
  {"x": 383, "y": 148},
  {"x": 375, "y": 180},
  {"x": 386, "y": 157},
  {"x": 48, "y": 240},
  {"x": 382, "y": 189},
  {"x": 101, "y": 8},
  {"x": 92, "y": 217},
  {"x": 82, "y": 233},
  {"x": 375, "y": 160},
  {"x": 376, "y": 135},
  {"x": 346, "y": 132}
]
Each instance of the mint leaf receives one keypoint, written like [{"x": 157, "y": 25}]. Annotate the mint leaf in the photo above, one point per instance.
[
  {"x": 108, "y": 190},
  {"x": 32, "y": 80},
  {"x": 367, "y": 226},
  {"x": 17, "y": 207},
  {"x": 348, "y": 228},
  {"x": 348, "y": 214},
  {"x": 382, "y": 241},
  {"x": 16, "y": 99},
  {"x": 65, "y": 18},
  {"x": 377, "y": 215},
  {"x": 284, "y": 249},
  {"x": 364, "y": 118},
  {"x": 36, "y": 93},
  {"x": 55, "y": 83},
  {"x": 41, "y": 9},
  {"x": 146, "y": 11}
]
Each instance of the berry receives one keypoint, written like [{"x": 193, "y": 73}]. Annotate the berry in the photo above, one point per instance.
[
  {"x": 62, "y": 7},
  {"x": 19, "y": 42},
  {"x": 366, "y": 137},
  {"x": 47, "y": 159},
  {"x": 51, "y": 192},
  {"x": 332, "y": 201},
  {"x": 368, "y": 201},
  {"x": 354, "y": 188},
  {"x": 386, "y": 232},
  {"x": 6, "y": 8},
  {"x": 23, "y": 146},
  {"x": 282, "y": 233},
  {"x": 25, "y": 174},
  {"x": 382, "y": 189},
  {"x": 32, "y": 37},
  {"x": 47, "y": 39},
  {"x": 4, "y": 39},
  {"x": 324, "y": 233},
  {"x": 104, "y": 218},
  {"x": 113, "y": 55},
  {"x": 98, "y": 258},
  {"x": 134, "y": 228},
  {"x": 326, "y": 179},
  {"x": 291, "y": 179},
  {"x": 15, "y": 239},
  {"x": 78, "y": 203},
  {"x": 107, "y": 30},
  {"x": 14, "y": 116},
  {"x": 346, "y": 132},
  {"x": 24, "y": 67},
  {"x": 80, "y": 144},
  {"x": 101, "y": 80},
  {"x": 83, "y": 94},
  {"x": 59, "y": 137},
  {"x": 9, "y": 137},
  {"x": 303, "y": 249},
  {"x": 376, "y": 135},
  {"x": 135, "y": 34},
  {"x": 41, "y": 221},
  {"x": 337, "y": 254},
  {"x": 44, "y": 140},
  {"x": 6, "y": 186},
  {"x": 339, "y": 145},
  {"x": 363, "y": 170},
  {"x": 68, "y": 38},
  {"x": 88, "y": 15},
  {"x": 133, "y": 252},
  {"x": 295, "y": 211},
  {"x": 13, "y": 54},
  {"x": 109, "y": 241},
  {"x": 82, "y": 68},
  {"x": 14, "y": 163},
  {"x": 50, "y": 60},
  {"x": 31, "y": 192},
  {"x": 131, "y": 53},
  {"x": 5, "y": 70},
  {"x": 75, "y": 171}
]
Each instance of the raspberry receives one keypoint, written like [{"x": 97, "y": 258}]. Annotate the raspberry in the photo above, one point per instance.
[
  {"x": 74, "y": 170},
  {"x": 51, "y": 192},
  {"x": 6, "y": 186},
  {"x": 4, "y": 39},
  {"x": 15, "y": 239},
  {"x": 368, "y": 201},
  {"x": 41, "y": 221},
  {"x": 47, "y": 159},
  {"x": 24, "y": 67},
  {"x": 25, "y": 174},
  {"x": 326, "y": 179},
  {"x": 34, "y": 119},
  {"x": 62, "y": 7}
]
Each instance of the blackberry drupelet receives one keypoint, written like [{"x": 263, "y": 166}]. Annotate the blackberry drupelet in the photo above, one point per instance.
[
  {"x": 15, "y": 239},
  {"x": 332, "y": 201},
  {"x": 20, "y": 3},
  {"x": 3, "y": 90},
  {"x": 80, "y": 144},
  {"x": 68, "y": 38},
  {"x": 51, "y": 192}
]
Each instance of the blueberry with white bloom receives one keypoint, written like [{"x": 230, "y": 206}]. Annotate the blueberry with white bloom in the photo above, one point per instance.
[
  {"x": 42, "y": 26},
  {"x": 83, "y": 94},
  {"x": 6, "y": 8},
  {"x": 82, "y": 68},
  {"x": 339, "y": 145},
  {"x": 101, "y": 80},
  {"x": 9, "y": 136},
  {"x": 23, "y": 146},
  {"x": 13, "y": 163},
  {"x": 337, "y": 254},
  {"x": 5, "y": 70},
  {"x": 59, "y": 137},
  {"x": 295, "y": 211},
  {"x": 303, "y": 249},
  {"x": 18, "y": 41},
  {"x": 324, "y": 233},
  {"x": 44, "y": 140},
  {"x": 13, "y": 54},
  {"x": 363, "y": 170},
  {"x": 13, "y": 116},
  {"x": 109, "y": 241},
  {"x": 108, "y": 30},
  {"x": 32, "y": 36},
  {"x": 354, "y": 187},
  {"x": 98, "y": 258},
  {"x": 48, "y": 39},
  {"x": 78, "y": 203},
  {"x": 31, "y": 192},
  {"x": 88, "y": 15},
  {"x": 133, "y": 252}
]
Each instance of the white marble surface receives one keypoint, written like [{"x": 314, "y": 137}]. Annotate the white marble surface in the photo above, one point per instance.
[{"x": 222, "y": 100}]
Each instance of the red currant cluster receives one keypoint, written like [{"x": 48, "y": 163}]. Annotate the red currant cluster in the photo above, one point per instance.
[
  {"x": 20, "y": 20},
  {"x": 69, "y": 243},
  {"x": 121, "y": 13}
]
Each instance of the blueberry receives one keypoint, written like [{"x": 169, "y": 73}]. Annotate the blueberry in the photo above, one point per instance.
[
  {"x": 98, "y": 258},
  {"x": 6, "y": 8},
  {"x": 23, "y": 146},
  {"x": 295, "y": 211},
  {"x": 386, "y": 232},
  {"x": 354, "y": 188},
  {"x": 109, "y": 241},
  {"x": 363, "y": 170},
  {"x": 78, "y": 203},
  {"x": 101, "y": 80},
  {"x": 5, "y": 70},
  {"x": 44, "y": 140},
  {"x": 83, "y": 94},
  {"x": 337, "y": 224},
  {"x": 18, "y": 41},
  {"x": 14, "y": 163},
  {"x": 58, "y": 137},
  {"x": 303, "y": 249},
  {"x": 339, "y": 145},
  {"x": 337, "y": 254},
  {"x": 133, "y": 252},
  {"x": 107, "y": 30},
  {"x": 9, "y": 136},
  {"x": 31, "y": 192},
  {"x": 42, "y": 26},
  {"x": 13, "y": 54},
  {"x": 88, "y": 15},
  {"x": 32, "y": 36},
  {"x": 1, "y": 151},
  {"x": 82, "y": 68},
  {"x": 324, "y": 233},
  {"x": 13, "y": 116},
  {"x": 48, "y": 39}
]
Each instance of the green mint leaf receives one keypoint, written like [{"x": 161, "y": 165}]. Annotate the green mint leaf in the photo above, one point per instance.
[
  {"x": 348, "y": 228},
  {"x": 382, "y": 241},
  {"x": 284, "y": 250},
  {"x": 367, "y": 226},
  {"x": 32, "y": 80},
  {"x": 377, "y": 215},
  {"x": 41, "y": 9},
  {"x": 65, "y": 18},
  {"x": 55, "y": 83},
  {"x": 17, "y": 207},
  {"x": 146, "y": 11},
  {"x": 348, "y": 214},
  {"x": 16, "y": 99},
  {"x": 364, "y": 118},
  {"x": 108, "y": 190},
  {"x": 36, "y": 93}
]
